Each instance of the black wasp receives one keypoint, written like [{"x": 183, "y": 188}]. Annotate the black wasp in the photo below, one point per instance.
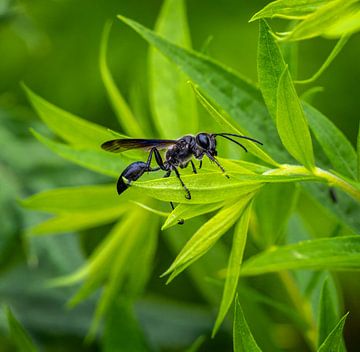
[{"x": 179, "y": 153}]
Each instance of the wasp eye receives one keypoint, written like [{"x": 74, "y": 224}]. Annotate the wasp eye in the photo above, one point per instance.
[{"x": 203, "y": 140}]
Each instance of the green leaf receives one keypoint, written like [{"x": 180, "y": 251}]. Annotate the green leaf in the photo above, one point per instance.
[
  {"x": 341, "y": 253},
  {"x": 123, "y": 113},
  {"x": 97, "y": 160},
  {"x": 289, "y": 9},
  {"x": 335, "y": 145},
  {"x": 69, "y": 127},
  {"x": 120, "y": 267},
  {"x": 189, "y": 211},
  {"x": 243, "y": 338},
  {"x": 227, "y": 124},
  {"x": 234, "y": 265},
  {"x": 207, "y": 235},
  {"x": 74, "y": 199},
  {"x": 327, "y": 20},
  {"x": 327, "y": 315},
  {"x": 291, "y": 122},
  {"x": 76, "y": 221},
  {"x": 234, "y": 95},
  {"x": 333, "y": 342},
  {"x": 171, "y": 99},
  {"x": 338, "y": 47},
  {"x": 122, "y": 331},
  {"x": 210, "y": 187},
  {"x": 19, "y": 336},
  {"x": 270, "y": 65}
]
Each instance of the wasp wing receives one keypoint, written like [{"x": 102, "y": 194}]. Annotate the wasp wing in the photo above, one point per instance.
[{"x": 121, "y": 145}]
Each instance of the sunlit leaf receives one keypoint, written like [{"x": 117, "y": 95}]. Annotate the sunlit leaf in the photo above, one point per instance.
[
  {"x": 210, "y": 187},
  {"x": 19, "y": 336},
  {"x": 123, "y": 113},
  {"x": 243, "y": 338},
  {"x": 69, "y": 127},
  {"x": 189, "y": 211},
  {"x": 291, "y": 123},
  {"x": 110, "y": 164},
  {"x": 341, "y": 253},
  {"x": 207, "y": 235},
  {"x": 234, "y": 95},
  {"x": 335, "y": 19},
  {"x": 233, "y": 269},
  {"x": 335, "y": 145},
  {"x": 333, "y": 342},
  {"x": 290, "y": 9},
  {"x": 172, "y": 101}
]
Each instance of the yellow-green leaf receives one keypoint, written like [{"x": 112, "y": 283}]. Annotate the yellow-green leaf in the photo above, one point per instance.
[
  {"x": 291, "y": 123},
  {"x": 234, "y": 265}
]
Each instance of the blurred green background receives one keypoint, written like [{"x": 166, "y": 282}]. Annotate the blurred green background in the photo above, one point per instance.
[{"x": 53, "y": 46}]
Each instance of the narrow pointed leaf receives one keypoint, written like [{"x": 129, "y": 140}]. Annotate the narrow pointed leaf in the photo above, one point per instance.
[
  {"x": 76, "y": 221},
  {"x": 120, "y": 268},
  {"x": 234, "y": 265},
  {"x": 172, "y": 101},
  {"x": 325, "y": 20},
  {"x": 97, "y": 160},
  {"x": 74, "y": 199},
  {"x": 327, "y": 314},
  {"x": 123, "y": 113},
  {"x": 291, "y": 123},
  {"x": 338, "y": 47},
  {"x": 290, "y": 9},
  {"x": 333, "y": 342},
  {"x": 270, "y": 65},
  {"x": 335, "y": 145},
  {"x": 69, "y": 127},
  {"x": 210, "y": 187},
  {"x": 340, "y": 253},
  {"x": 234, "y": 95},
  {"x": 103, "y": 258},
  {"x": 189, "y": 211},
  {"x": 243, "y": 338},
  {"x": 227, "y": 125},
  {"x": 19, "y": 336},
  {"x": 208, "y": 234}
]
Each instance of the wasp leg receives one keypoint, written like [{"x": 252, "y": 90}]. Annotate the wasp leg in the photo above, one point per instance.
[
  {"x": 193, "y": 167},
  {"x": 217, "y": 163},
  {"x": 188, "y": 194},
  {"x": 200, "y": 164},
  {"x": 180, "y": 221}
]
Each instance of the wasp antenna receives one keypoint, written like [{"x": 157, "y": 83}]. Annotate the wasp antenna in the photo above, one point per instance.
[
  {"x": 238, "y": 135},
  {"x": 232, "y": 140}
]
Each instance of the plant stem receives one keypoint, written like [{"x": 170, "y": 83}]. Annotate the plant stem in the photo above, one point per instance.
[{"x": 322, "y": 175}]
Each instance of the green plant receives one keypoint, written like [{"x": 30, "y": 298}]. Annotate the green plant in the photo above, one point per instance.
[{"x": 290, "y": 172}]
